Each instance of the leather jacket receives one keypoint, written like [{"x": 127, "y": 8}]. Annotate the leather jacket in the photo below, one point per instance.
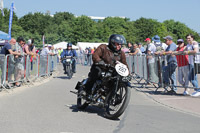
[{"x": 105, "y": 55}]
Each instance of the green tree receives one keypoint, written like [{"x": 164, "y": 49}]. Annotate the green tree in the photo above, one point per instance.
[
  {"x": 35, "y": 23},
  {"x": 4, "y": 20},
  {"x": 114, "y": 25},
  {"x": 178, "y": 29},
  {"x": 84, "y": 29},
  {"x": 147, "y": 28},
  {"x": 59, "y": 17}
]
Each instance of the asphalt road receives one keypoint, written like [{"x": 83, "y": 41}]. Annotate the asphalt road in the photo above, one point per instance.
[{"x": 51, "y": 108}]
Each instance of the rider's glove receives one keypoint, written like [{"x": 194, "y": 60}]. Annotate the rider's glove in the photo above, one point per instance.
[{"x": 107, "y": 65}]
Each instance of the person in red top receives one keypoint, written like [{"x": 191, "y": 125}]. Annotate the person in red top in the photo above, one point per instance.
[{"x": 183, "y": 67}]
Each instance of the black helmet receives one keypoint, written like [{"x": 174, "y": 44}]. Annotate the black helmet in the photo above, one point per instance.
[
  {"x": 116, "y": 38},
  {"x": 69, "y": 44}
]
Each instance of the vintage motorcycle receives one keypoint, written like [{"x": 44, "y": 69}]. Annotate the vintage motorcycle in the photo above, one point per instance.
[
  {"x": 68, "y": 61},
  {"x": 111, "y": 91}
]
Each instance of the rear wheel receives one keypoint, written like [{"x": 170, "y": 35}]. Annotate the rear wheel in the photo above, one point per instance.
[{"x": 117, "y": 103}]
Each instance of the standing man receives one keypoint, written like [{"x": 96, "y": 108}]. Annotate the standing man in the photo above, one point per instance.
[
  {"x": 151, "y": 49},
  {"x": 20, "y": 61},
  {"x": 131, "y": 51},
  {"x": 169, "y": 70},
  {"x": 192, "y": 49},
  {"x": 43, "y": 60}
]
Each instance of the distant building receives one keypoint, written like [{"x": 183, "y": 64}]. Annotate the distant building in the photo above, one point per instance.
[{"x": 96, "y": 19}]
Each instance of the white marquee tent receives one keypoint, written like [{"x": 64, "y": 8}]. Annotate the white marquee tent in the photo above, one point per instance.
[{"x": 63, "y": 45}]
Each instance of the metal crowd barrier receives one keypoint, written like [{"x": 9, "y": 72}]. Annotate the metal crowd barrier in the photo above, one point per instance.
[
  {"x": 16, "y": 67},
  {"x": 150, "y": 69},
  {"x": 32, "y": 68},
  {"x": 84, "y": 59},
  {"x": 2, "y": 68},
  {"x": 25, "y": 69}
]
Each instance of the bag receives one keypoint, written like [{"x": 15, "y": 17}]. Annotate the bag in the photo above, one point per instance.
[
  {"x": 197, "y": 68},
  {"x": 158, "y": 46}
]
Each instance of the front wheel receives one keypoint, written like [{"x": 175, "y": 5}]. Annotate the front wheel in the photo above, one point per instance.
[
  {"x": 117, "y": 103},
  {"x": 69, "y": 72},
  {"x": 81, "y": 102}
]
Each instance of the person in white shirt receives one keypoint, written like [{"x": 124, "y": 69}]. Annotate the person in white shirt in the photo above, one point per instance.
[
  {"x": 151, "y": 49},
  {"x": 193, "y": 48},
  {"x": 43, "y": 60}
]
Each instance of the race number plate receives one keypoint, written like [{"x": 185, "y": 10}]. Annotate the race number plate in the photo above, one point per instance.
[{"x": 121, "y": 69}]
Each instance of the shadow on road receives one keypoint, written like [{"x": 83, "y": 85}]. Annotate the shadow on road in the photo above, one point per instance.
[
  {"x": 62, "y": 77},
  {"x": 90, "y": 110}
]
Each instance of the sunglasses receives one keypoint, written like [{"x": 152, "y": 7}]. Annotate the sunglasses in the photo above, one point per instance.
[{"x": 179, "y": 42}]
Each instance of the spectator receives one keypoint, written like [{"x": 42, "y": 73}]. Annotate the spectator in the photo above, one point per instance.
[
  {"x": 38, "y": 51},
  {"x": 150, "y": 50},
  {"x": 29, "y": 49},
  {"x": 183, "y": 66},
  {"x": 20, "y": 61},
  {"x": 43, "y": 59},
  {"x": 60, "y": 50},
  {"x": 131, "y": 49},
  {"x": 92, "y": 50},
  {"x": 141, "y": 47},
  {"x": 95, "y": 49},
  {"x": 89, "y": 56},
  {"x": 125, "y": 49},
  {"x": 7, "y": 49},
  {"x": 136, "y": 49},
  {"x": 136, "y": 52},
  {"x": 86, "y": 53},
  {"x": 169, "y": 70},
  {"x": 80, "y": 55},
  {"x": 160, "y": 47},
  {"x": 193, "y": 48}
]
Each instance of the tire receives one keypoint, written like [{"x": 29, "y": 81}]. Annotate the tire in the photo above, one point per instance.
[
  {"x": 122, "y": 104},
  {"x": 69, "y": 72},
  {"x": 81, "y": 103}
]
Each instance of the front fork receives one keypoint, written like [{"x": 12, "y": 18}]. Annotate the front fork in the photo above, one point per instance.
[{"x": 115, "y": 89}]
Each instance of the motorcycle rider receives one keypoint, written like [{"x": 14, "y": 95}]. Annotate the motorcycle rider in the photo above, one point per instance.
[
  {"x": 69, "y": 52},
  {"x": 105, "y": 54}
]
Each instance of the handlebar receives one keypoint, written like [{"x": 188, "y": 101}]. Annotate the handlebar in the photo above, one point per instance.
[
  {"x": 68, "y": 57},
  {"x": 105, "y": 65}
]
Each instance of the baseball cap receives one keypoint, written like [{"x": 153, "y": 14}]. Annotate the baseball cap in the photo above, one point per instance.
[
  {"x": 147, "y": 39},
  {"x": 180, "y": 40},
  {"x": 168, "y": 38}
]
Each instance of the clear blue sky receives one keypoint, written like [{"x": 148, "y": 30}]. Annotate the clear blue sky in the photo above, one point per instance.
[{"x": 185, "y": 11}]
